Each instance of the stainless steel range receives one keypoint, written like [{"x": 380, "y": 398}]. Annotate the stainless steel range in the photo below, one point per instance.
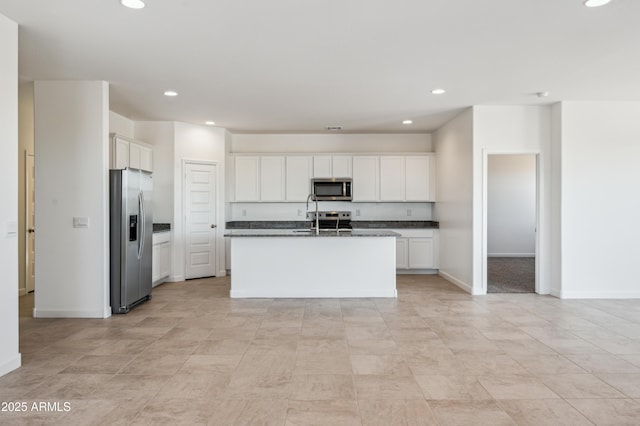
[{"x": 331, "y": 220}]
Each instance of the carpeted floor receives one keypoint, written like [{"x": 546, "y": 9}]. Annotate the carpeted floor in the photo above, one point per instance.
[{"x": 511, "y": 275}]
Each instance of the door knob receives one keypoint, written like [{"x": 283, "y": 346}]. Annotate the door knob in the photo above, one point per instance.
[
  {"x": 31, "y": 230},
  {"x": 213, "y": 226}
]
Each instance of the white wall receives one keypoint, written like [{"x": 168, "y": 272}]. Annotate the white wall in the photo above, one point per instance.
[
  {"x": 600, "y": 199},
  {"x": 161, "y": 135},
  {"x": 339, "y": 142},
  {"x": 511, "y": 205},
  {"x": 25, "y": 145},
  {"x": 121, "y": 125},
  {"x": 511, "y": 130},
  {"x": 9, "y": 355},
  {"x": 197, "y": 143},
  {"x": 454, "y": 209},
  {"x": 72, "y": 161}
]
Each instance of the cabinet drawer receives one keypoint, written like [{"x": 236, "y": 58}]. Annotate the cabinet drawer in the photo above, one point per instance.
[{"x": 161, "y": 237}]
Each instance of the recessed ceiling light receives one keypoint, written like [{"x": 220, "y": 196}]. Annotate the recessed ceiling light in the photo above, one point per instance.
[
  {"x": 438, "y": 91},
  {"x": 171, "y": 93},
  {"x": 333, "y": 128},
  {"x": 542, "y": 94},
  {"x": 133, "y": 4},
  {"x": 210, "y": 123},
  {"x": 407, "y": 122},
  {"x": 596, "y": 3}
]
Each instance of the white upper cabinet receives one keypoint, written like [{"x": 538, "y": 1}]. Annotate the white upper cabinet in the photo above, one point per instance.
[
  {"x": 119, "y": 153},
  {"x": 366, "y": 176},
  {"x": 330, "y": 166},
  {"x": 322, "y": 166},
  {"x": 407, "y": 178},
  {"x": 125, "y": 152},
  {"x": 392, "y": 178},
  {"x": 342, "y": 166},
  {"x": 420, "y": 178},
  {"x": 272, "y": 178},
  {"x": 247, "y": 178},
  {"x": 298, "y": 177}
]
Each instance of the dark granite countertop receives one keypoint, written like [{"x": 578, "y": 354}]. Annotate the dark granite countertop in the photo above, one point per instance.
[
  {"x": 308, "y": 233},
  {"x": 161, "y": 227},
  {"x": 394, "y": 224},
  {"x": 356, "y": 224}
]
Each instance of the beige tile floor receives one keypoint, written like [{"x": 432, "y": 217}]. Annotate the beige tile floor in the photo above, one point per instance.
[{"x": 433, "y": 356}]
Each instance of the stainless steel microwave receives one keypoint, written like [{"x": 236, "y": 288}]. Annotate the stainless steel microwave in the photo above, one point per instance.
[{"x": 332, "y": 189}]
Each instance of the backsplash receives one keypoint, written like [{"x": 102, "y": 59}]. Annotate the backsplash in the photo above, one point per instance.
[{"x": 359, "y": 211}]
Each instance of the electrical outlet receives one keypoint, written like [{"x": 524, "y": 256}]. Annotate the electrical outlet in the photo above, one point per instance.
[
  {"x": 244, "y": 212},
  {"x": 357, "y": 212},
  {"x": 299, "y": 212},
  {"x": 409, "y": 212}
]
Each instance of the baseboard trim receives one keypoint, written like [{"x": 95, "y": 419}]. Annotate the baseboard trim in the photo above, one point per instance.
[
  {"x": 599, "y": 295},
  {"x": 10, "y": 365},
  {"x": 416, "y": 271},
  {"x": 511, "y": 255},
  {"x": 464, "y": 286},
  {"x": 176, "y": 278},
  {"x": 69, "y": 313}
]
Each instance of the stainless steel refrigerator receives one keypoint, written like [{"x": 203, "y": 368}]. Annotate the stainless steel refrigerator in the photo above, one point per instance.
[{"x": 131, "y": 228}]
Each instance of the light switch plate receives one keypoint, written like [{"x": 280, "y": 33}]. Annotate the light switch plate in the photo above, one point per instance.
[
  {"x": 11, "y": 229},
  {"x": 81, "y": 222}
]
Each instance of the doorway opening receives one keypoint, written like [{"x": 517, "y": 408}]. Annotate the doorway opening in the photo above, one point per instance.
[{"x": 512, "y": 198}]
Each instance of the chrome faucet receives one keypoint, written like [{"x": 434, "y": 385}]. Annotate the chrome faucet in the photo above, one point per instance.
[{"x": 314, "y": 198}]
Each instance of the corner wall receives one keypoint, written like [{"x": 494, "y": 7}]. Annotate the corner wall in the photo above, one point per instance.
[
  {"x": 511, "y": 130},
  {"x": 454, "y": 207},
  {"x": 9, "y": 352},
  {"x": 72, "y": 162}
]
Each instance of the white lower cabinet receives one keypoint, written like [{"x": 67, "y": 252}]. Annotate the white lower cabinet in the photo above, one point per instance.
[
  {"x": 416, "y": 249},
  {"x": 161, "y": 258}
]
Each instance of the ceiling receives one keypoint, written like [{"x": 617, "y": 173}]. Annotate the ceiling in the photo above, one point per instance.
[{"x": 300, "y": 65}]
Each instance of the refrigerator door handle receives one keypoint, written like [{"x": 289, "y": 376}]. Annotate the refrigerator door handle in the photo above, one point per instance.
[{"x": 142, "y": 225}]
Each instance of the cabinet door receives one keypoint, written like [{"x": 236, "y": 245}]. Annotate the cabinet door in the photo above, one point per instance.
[
  {"x": 365, "y": 178},
  {"x": 418, "y": 178},
  {"x": 120, "y": 153},
  {"x": 298, "y": 172},
  {"x": 402, "y": 251},
  {"x": 392, "y": 178},
  {"x": 322, "y": 166},
  {"x": 155, "y": 263},
  {"x": 421, "y": 253},
  {"x": 134, "y": 155},
  {"x": 247, "y": 178},
  {"x": 272, "y": 178},
  {"x": 164, "y": 269},
  {"x": 146, "y": 158},
  {"x": 341, "y": 166}
]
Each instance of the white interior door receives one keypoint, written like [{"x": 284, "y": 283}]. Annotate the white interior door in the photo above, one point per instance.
[
  {"x": 31, "y": 233},
  {"x": 200, "y": 220}
]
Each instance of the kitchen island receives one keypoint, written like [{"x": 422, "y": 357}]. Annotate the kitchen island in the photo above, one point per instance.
[{"x": 297, "y": 263}]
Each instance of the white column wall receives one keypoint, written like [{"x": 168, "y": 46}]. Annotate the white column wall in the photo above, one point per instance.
[
  {"x": 9, "y": 354},
  {"x": 121, "y": 125},
  {"x": 511, "y": 130},
  {"x": 197, "y": 143},
  {"x": 600, "y": 199},
  {"x": 454, "y": 208},
  {"x": 72, "y": 162}
]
